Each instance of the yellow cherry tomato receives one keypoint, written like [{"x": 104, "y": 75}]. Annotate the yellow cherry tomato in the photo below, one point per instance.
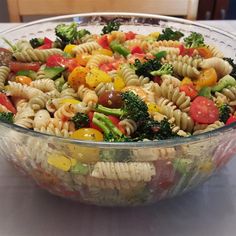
[
  {"x": 207, "y": 77},
  {"x": 59, "y": 161},
  {"x": 153, "y": 107},
  {"x": 23, "y": 79},
  {"x": 96, "y": 76},
  {"x": 103, "y": 51},
  {"x": 69, "y": 47},
  {"x": 77, "y": 77},
  {"x": 87, "y": 134},
  {"x": 186, "y": 80},
  {"x": 119, "y": 83},
  {"x": 69, "y": 100}
]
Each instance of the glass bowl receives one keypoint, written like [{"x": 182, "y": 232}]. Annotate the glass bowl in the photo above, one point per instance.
[{"x": 118, "y": 174}]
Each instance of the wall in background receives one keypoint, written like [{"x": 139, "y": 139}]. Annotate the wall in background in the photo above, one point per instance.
[{"x": 3, "y": 11}]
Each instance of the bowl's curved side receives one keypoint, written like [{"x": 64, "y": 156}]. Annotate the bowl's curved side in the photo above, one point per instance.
[{"x": 116, "y": 177}]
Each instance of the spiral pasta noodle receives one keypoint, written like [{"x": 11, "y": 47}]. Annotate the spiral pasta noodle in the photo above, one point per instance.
[
  {"x": 221, "y": 66},
  {"x": 210, "y": 127},
  {"x": 215, "y": 51},
  {"x": 23, "y": 45},
  {"x": 129, "y": 126},
  {"x": 88, "y": 96},
  {"x": 166, "y": 43},
  {"x": 30, "y": 55},
  {"x": 67, "y": 110},
  {"x": 3, "y": 108},
  {"x": 129, "y": 76},
  {"x": 57, "y": 127},
  {"x": 25, "y": 118},
  {"x": 102, "y": 87},
  {"x": 134, "y": 171},
  {"x": 41, "y": 119},
  {"x": 45, "y": 85},
  {"x": 86, "y": 48},
  {"x": 4, "y": 72},
  {"x": 98, "y": 59},
  {"x": 68, "y": 93}
]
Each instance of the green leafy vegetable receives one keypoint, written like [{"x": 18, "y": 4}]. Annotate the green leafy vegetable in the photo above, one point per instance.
[
  {"x": 111, "y": 26},
  {"x": 169, "y": 34},
  {"x": 225, "y": 113},
  {"x": 6, "y": 117},
  {"x": 194, "y": 40},
  {"x": 66, "y": 33},
  {"x": 80, "y": 120},
  {"x": 36, "y": 42},
  {"x": 231, "y": 62},
  {"x": 166, "y": 69}
]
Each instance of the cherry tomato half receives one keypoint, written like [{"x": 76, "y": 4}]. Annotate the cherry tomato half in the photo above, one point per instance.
[
  {"x": 110, "y": 99},
  {"x": 4, "y": 100},
  {"x": 87, "y": 134},
  {"x": 204, "y": 110},
  {"x": 16, "y": 66}
]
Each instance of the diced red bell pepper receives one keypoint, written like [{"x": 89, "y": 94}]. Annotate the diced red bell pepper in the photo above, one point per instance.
[
  {"x": 16, "y": 66},
  {"x": 47, "y": 44},
  {"x": 137, "y": 49},
  {"x": 189, "y": 90},
  {"x": 103, "y": 41},
  {"x": 129, "y": 35},
  {"x": 185, "y": 51}
]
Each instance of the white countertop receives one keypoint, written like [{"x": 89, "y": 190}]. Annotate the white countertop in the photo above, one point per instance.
[{"x": 209, "y": 210}]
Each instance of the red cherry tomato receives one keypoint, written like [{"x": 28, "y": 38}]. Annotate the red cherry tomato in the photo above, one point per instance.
[
  {"x": 204, "y": 110},
  {"x": 91, "y": 124},
  {"x": 16, "y": 66},
  {"x": 106, "y": 67},
  {"x": 71, "y": 63},
  {"x": 137, "y": 49},
  {"x": 110, "y": 99},
  {"x": 231, "y": 120},
  {"x": 4, "y": 100},
  {"x": 55, "y": 60},
  {"x": 189, "y": 90},
  {"x": 103, "y": 41},
  {"x": 129, "y": 35},
  {"x": 185, "y": 51},
  {"x": 116, "y": 121}
]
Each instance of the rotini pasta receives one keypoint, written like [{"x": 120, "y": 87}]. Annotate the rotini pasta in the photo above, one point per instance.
[{"x": 4, "y": 72}]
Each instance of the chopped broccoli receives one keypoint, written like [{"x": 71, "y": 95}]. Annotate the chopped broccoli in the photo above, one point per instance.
[
  {"x": 194, "y": 40},
  {"x": 224, "y": 111},
  {"x": 147, "y": 67},
  {"x": 6, "y": 117},
  {"x": 226, "y": 81},
  {"x": 169, "y": 34},
  {"x": 36, "y": 42},
  {"x": 66, "y": 33},
  {"x": 166, "y": 69},
  {"x": 154, "y": 130},
  {"x": 80, "y": 120},
  {"x": 231, "y": 62},
  {"x": 133, "y": 108},
  {"x": 81, "y": 33},
  {"x": 111, "y": 26},
  {"x": 111, "y": 132}
]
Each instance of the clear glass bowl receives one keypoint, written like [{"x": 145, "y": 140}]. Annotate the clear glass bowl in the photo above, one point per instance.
[{"x": 119, "y": 174}]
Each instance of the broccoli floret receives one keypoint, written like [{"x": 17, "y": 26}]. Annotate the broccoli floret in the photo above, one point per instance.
[
  {"x": 154, "y": 130},
  {"x": 36, "y": 42},
  {"x": 133, "y": 108},
  {"x": 169, "y": 34},
  {"x": 81, "y": 33},
  {"x": 194, "y": 40},
  {"x": 111, "y": 26},
  {"x": 80, "y": 120},
  {"x": 166, "y": 69},
  {"x": 231, "y": 62},
  {"x": 225, "y": 113},
  {"x": 6, "y": 117},
  {"x": 147, "y": 67},
  {"x": 66, "y": 33},
  {"x": 111, "y": 132}
]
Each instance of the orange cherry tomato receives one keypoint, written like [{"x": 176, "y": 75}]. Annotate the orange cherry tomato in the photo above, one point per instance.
[
  {"x": 204, "y": 52},
  {"x": 87, "y": 134},
  {"x": 23, "y": 79},
  {"x": 207, "y": 78},
  {"x": 77, "y": 77}
]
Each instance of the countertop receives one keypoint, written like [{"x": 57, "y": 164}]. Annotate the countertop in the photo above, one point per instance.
[{"x": 209, "y": 210}]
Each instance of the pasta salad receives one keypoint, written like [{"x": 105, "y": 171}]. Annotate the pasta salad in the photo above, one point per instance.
[{"x": 117, "y": 86}]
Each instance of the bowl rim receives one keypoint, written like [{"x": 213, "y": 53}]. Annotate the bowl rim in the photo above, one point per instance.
[{"x": 124, "y": 145}]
